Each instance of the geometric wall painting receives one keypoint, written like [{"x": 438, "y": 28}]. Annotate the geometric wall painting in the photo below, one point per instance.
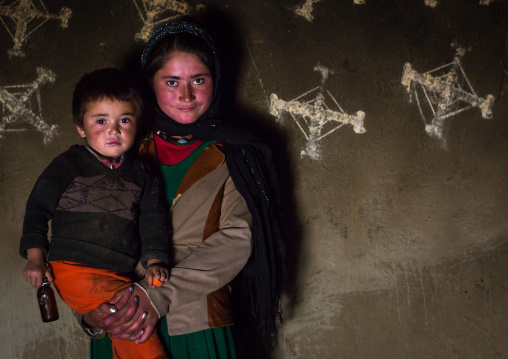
[
  {"x": 317, "y": 114},
  {"x": 152, "y": 13},
  {"x": 21, "y": 105},
  {"x": 442, "y": 93},
  {"x": 22, "y": 17},
  {"x": 308, "y": 7}
]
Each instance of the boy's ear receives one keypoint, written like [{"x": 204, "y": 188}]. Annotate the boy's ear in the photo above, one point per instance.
[{"x": 81, "y": 131}]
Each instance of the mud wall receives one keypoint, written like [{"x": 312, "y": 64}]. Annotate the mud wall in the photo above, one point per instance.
[{"x": 389, "y": 125}]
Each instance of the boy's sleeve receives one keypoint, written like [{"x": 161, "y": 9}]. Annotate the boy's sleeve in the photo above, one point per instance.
[
  {"x": 154, "y": 223},
  {"x": 41, "y": 205}
]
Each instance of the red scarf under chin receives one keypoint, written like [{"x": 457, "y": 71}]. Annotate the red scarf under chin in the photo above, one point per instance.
[{"x": 169, "y": 153}]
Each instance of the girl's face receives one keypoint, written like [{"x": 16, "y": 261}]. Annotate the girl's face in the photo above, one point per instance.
[{"x": 183, "y": 87}]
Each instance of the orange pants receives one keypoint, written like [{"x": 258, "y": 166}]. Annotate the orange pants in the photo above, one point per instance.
[{"x": 85, "y": 288}]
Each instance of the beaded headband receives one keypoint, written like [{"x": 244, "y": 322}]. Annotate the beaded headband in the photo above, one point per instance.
[{"x": 174, "y": 28}]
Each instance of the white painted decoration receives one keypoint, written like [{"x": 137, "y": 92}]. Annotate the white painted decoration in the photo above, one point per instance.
[
  {"x": 442, "y": 93},
  {"x": 306, "y": 9},
  {"x": 313, "y": 116},
  {"x": 154, "y": 13},
  {"x": 22, "y": 104},
  {"x": 434, "y": 3},
  {"x": 22, "y": 17},
  {"x": 431, "y": 3},
  {"x": 487, "y": 2}
]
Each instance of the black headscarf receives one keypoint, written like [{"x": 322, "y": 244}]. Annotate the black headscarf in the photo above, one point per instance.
[{"x": 249, "y": 163}]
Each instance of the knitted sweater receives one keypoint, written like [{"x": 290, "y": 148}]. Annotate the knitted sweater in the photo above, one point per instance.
[{"x": 101, "y": 218}]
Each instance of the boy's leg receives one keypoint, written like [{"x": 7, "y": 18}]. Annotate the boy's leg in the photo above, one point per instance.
[
  {"x": 151, "y": 349},
  {"x": 84, "y": 288}
]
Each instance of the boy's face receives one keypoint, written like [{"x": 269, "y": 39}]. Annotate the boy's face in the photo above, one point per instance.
[{"x": 109, "y": 127}]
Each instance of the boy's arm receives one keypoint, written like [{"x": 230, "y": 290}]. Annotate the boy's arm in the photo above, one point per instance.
[
  {"x": 41, "y": 205},
  {"x": 154, "y": 224}
]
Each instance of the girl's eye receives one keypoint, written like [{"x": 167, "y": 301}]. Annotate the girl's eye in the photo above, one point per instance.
[
  {"x": 172, "y": 83},
  {"x": 100, "y": 121},
  {"x": 199, "y": 81},
  {"x": 125, "y": 120}
]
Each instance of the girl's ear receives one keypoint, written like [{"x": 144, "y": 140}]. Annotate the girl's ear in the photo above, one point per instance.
[{"x": 81, "y": 131}]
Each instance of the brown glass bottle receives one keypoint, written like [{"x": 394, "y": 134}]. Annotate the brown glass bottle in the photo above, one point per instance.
[{"x": 47, "y": 302}]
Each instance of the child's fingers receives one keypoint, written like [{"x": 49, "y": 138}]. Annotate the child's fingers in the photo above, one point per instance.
[
  {"x": 149, "y": 278},
  {"x": 30, "y": 280},
  {"x": 26, "y": 277},
  {"x": 162, "y": 275},
  {"x": 37, "y": 278},
  {"x": 33, "y": 278},
  {"x": 49, "y": 275}
]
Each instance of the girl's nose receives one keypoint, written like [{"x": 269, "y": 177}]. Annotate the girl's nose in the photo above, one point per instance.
[{"x": 186, "y": 93}]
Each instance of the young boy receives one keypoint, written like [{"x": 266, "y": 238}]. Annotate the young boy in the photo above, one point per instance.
[{"x": 106, "y": 206}]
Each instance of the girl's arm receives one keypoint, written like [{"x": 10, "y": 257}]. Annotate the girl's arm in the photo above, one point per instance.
[{"x": 211, "y": 265}]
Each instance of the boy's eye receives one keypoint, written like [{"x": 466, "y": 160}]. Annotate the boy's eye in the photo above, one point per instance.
[
  {"x": 199, "y": 81},
  {"x": 125, "y": 120},
  {"x": 172, "y": 83},
  {"x": 101, "y": 121}
]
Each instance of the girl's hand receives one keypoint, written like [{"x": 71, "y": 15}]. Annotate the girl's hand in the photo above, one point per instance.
[
  {"x": 135, "y": 321},
  {"x": 121, "y": 299}
]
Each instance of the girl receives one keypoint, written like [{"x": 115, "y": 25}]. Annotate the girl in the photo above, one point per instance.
[{"x": 221, "y": 189}]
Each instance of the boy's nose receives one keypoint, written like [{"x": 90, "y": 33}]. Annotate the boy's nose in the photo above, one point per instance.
[{"x": 114, "y": 128}]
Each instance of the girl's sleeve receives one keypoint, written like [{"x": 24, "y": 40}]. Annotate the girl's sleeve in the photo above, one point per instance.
[{"x": 212, "y": 264}]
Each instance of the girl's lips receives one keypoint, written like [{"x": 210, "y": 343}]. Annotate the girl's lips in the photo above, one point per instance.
[
  {"x": 186, "y": 109},
  {"x": 113, "y": 143}
]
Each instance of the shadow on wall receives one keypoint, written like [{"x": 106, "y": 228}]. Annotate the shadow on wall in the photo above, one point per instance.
[
  {"x": 230, "y": 40},
  {"x": 233, "y": 54}
]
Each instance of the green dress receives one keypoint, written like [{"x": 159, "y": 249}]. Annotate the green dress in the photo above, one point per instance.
[{"x": 213, "y": 343}]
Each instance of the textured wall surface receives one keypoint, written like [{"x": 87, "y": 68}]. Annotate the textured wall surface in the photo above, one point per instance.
[{"x": 389, "y": 121}]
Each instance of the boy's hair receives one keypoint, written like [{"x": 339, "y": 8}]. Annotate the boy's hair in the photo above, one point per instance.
[{"x": 108, "y": 83}]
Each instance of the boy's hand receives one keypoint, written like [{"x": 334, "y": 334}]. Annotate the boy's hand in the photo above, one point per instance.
[
  {"x": 156, "y": 274},
  {"x": 36, "y": 268}
]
